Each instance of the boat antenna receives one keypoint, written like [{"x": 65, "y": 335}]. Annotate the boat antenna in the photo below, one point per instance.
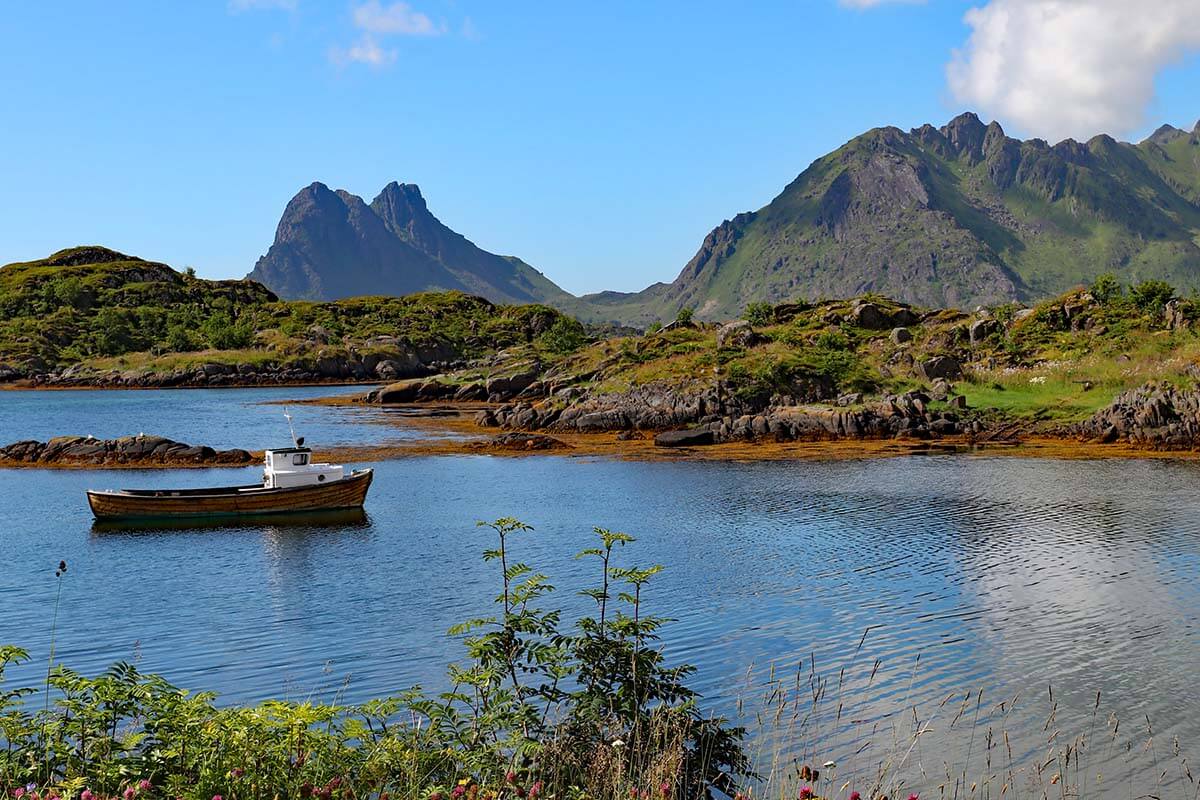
[{"x": 288, "y": 416}]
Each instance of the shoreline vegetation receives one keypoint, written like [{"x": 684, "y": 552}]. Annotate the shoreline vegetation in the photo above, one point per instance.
[
  {"x": 1105, "y": 369},
  {"x": 538, "y": 708}
]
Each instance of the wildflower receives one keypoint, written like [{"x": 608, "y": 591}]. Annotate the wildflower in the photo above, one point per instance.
[
  {"x": 86, "y": 794},
  {"x": 218, "y": 797},
  {"x": 144, "y": 784},
  {"x": 130, "y": 793},
  {"x": 914, "y": 796},
  {"x": 510, "y": 776},
  {"x": 855, "y": 796},
  {"x": 520, "y": 791},
  {"x": 20, "y": 792},
  {"x": 437, "y": 796},
  {"x": 806, "y": 793},
  {"x": 618, "y": 743},
  {"x": 535, "y": 790},
  {"x": 458, "y": 791},
  {"x": 664, "y": 788},
  {"x": 237, "y": 772}
]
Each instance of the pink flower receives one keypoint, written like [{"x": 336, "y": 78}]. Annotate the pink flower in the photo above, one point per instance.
[
  {"x": 913, "y": 796},
  {"x": 664, "y": 788},
  {"x": 458, "y": 791},
  {"x": 129, "y": 793},
  {"x": 806, "y": 793},
  {"x": 511, "y": 776},
  {"x": 855, "y": 796},
  {"x": 218, "y": 797},
  {"x": 86, "y": 794},
  {"x": 144, "y": 785},
  {"x": 20, "y": 792}
]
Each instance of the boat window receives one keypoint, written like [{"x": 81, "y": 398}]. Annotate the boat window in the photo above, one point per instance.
[{"x": 300, "y": 459}]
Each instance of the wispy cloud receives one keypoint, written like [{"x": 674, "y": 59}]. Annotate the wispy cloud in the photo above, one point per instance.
[
  {"x": 395, "y": 19},
  {"x": 377, "y": 23},
  {"x": 238, "y": 6},
  {"x": 1058, "y": 68}
]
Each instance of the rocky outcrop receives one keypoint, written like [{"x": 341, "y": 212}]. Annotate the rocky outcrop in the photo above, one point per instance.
[
  {"x": 697, "y": 437},
  {"x": 517, "y": 441},
  {"x": 1154, "y": 415},
  {"x": 714, "y": 415},
  {"x": 140, "y": 450}
]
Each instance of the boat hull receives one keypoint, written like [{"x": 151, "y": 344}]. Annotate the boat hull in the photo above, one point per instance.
[{"x": 234, "y": 501}]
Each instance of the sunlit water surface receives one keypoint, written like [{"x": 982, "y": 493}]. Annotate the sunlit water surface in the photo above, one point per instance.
[{"x": 901, "y": 583}]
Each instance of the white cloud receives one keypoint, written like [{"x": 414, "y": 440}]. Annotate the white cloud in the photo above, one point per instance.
[
  {"x": 238, "y": 6},
  {"x": 1059, "y": 68},
  {"x": 366, "y": 50},
  {"x": 397, "y": 18},
  {"x": 377, "y": 22}
]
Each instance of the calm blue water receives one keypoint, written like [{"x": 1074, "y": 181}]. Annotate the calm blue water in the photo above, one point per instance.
[{"x": 964, "y": 573}]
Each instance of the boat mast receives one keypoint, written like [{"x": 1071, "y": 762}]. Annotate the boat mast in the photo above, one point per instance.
[{"x": 288, "y": 416}]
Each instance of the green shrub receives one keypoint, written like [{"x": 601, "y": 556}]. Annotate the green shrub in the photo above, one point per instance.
[
  {"x": 684, "y": 317},
  {"x": 1150, "y": 296},
  {"x": 565, "y": 336},
  {"x": 222, "y": 333},
  {"x": 1107, "y": 289},
  {"x": 759, "y": 314}
]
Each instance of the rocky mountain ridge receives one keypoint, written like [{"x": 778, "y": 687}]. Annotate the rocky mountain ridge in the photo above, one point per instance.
[{"x": 331, "y": 245}]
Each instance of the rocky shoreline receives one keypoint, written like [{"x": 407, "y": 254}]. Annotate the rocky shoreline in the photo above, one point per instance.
[
  {"x": 127, "y": 451},
  {"x": 1155, "y": 416}
]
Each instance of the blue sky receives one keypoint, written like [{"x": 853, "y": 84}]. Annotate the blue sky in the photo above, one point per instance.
[{"x": 600, "y": 142}]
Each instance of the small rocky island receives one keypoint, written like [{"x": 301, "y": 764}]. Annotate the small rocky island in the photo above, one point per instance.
[{"x": 127, "y": 451}]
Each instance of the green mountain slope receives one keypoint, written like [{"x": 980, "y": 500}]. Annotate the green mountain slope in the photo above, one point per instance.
[{"x": 953, "y": 216}]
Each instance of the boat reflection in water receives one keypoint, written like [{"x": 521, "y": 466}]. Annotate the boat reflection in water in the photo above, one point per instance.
[{"x": 348, "y": 517}]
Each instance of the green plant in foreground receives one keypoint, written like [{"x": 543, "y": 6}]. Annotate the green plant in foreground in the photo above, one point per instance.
[{"x": 536, "y": 708}]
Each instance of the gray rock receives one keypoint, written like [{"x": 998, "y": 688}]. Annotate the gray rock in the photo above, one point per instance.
[
  {"x": 981, "y": 329},
  {"x": 901, "y": 335},
  {"x": 689, "y": 438},
  {"x": 940, "y": 367},
  {"x": 737, "y": 334}
]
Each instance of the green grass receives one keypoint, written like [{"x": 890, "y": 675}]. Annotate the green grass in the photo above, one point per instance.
[{"x": 122, "y": 311}]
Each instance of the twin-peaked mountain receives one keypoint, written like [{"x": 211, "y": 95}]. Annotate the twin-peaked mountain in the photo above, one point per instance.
[
  {"x": 952, "y": 216},
  {"x": 331, "y": 244}
]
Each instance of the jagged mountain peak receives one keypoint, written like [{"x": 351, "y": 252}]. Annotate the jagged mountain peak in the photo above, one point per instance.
[
  {"x": 331, "y": 244},
  {"x": 961, "y": 214}
]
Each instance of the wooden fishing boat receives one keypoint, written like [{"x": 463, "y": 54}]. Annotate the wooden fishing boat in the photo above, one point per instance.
[{"x": 291, "y": 484}]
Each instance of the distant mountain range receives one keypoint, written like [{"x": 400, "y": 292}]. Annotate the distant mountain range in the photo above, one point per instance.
[
  {"x": 331, "y": 244},
  {"x": 958, "y": 215}
]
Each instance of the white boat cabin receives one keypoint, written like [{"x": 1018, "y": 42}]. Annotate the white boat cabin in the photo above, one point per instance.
[{"x": 292, "y": 466}]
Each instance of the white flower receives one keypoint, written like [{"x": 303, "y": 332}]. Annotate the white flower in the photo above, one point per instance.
[
  {"x": 1039, "y": 380},
  {"x": 618, "y": 743}
]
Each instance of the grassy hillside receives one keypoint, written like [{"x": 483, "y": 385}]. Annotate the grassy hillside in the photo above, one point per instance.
[{"x": 94, "y": 305}]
